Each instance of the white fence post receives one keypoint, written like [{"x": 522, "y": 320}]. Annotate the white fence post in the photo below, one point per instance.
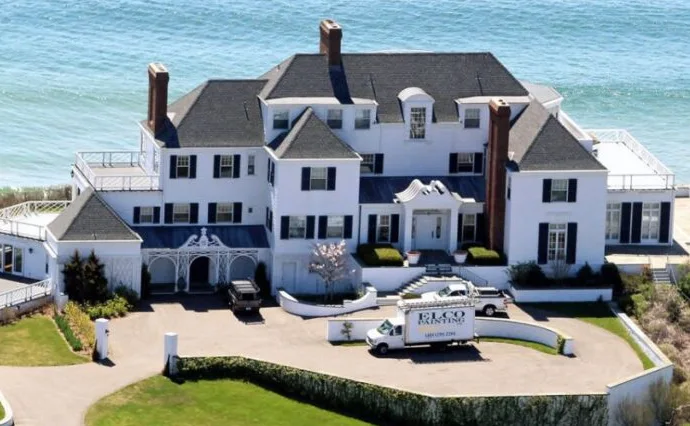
[
  {"x": 170, "y": 352},
  {"x": 102, "y": 332}
]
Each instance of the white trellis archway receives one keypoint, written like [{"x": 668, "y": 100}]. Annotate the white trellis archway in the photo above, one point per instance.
[{"x": 220, "y": 255}]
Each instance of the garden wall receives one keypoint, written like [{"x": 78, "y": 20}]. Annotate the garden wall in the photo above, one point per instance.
[
  {"x": 385, "y": 278},
  {"x": 495, "y": 275},
  {"x": 523, "y": 295},
  {"x": 379, "y": 404},
  {"x": 359, "y": 329},
  {"x": 8, "y": 419},
  {"x": 304, "y": 309}
]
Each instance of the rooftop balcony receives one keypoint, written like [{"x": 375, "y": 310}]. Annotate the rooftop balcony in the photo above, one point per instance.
[
  {"x": 631, "y": 166},
  {"x": 30, "y": 219},
  {"x": 116, "y": 171}
]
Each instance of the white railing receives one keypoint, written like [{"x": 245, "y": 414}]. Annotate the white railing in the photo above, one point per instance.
[
  {"x": 17, "y": 219},
  {"x": 646, "y": 181},
  {"x": 26, "y": 293},
  {"x": 88, "y": 162}
]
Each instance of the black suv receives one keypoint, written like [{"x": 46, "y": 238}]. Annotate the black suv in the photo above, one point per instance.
[{"x": 244, "y": 295}]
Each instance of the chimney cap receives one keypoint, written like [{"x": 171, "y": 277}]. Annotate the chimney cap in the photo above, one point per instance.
[
  {"x": 157, "y": 68},
  {"x": 330, "y": 24}
]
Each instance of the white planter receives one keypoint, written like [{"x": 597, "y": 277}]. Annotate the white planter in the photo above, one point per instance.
[
  {"x": 460, "y": 257},
  {"x": 413, "y": 257}
]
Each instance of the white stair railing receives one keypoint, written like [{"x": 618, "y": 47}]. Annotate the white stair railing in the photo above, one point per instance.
[{"x": 26, "y": 293}]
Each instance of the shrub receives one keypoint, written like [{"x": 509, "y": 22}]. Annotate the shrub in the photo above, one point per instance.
[
  {"x": 408, "y": 296},
  {"x": 647, "y": 273},
  {"x": 145, "y": 282},
  {"x": 483, "y": 256},
  {"x": 639, "y": 305},
  {"x": 73, "y": 341},
  {"x": 379, "y": 255},
  {"x": 610, "y": 275},
  {"x": 261, "y": 279},
  {"x": 95, "y": 284},
  {"x": 113, "y": 308},
  {"x": 585, "y": 275},
  {"x": 526, "y": 274},
  {"x": 73, "y": 273},
  {"x": 128, "y": 294},
  {"x": 80, "y": 323},
  {"x": 467, "y": 246}
]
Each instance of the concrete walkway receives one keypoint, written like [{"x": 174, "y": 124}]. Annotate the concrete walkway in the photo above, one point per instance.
[{"x": 43, "y": 396}]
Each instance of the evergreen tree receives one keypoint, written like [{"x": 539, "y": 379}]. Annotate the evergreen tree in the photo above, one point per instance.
[
  {"x": 95, "y": 283},
  {"x": 73, "y": 272}
]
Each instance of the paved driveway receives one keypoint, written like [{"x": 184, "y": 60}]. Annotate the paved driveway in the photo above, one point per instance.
[{"x": 61, "y": 395}]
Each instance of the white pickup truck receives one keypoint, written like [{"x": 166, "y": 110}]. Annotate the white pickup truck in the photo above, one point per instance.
[{"x": 488, "y": 300}]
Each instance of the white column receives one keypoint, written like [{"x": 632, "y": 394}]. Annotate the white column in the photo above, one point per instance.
[
  {"x": 170, "y": 352},
  {"x": 102, "y": 331},
  {"x": 453, "y": 237},
  {"x": 407, "y": 242}
]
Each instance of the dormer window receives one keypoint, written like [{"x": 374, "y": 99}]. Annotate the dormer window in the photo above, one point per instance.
[
  {"x": 362, "y": 119},
  {"x": 280, "y": 119},
  {"x": 417, "y": 123},
  {"x": 335, "y": 118},
  {"x": 472, "y": 118}
]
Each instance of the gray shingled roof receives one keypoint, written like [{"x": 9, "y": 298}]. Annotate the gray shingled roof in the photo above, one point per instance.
[
  {"x": 310, "y": 138},
  {"x": 541, "y": 92},
  {"x": 88, "y": 217},
  {"x": 540, "y": 142},
  {"x": 381, "y": 76},
  {"x": 218, "y": 113}
]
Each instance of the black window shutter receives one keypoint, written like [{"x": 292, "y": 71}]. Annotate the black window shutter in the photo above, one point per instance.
[
  {"x": 636, "y": 231},
  {"x": 168, "y": 213},
  {"x": 542, "y": 254},
  {"x": 237, "y": 213},
  {"x": 135, "y": 218},
  {"x": 572, "y": 190},
  {"x": 323, "y": 224},
  {"x": 284, "y": 227},
  {"x": 156, "y": 215},
  {"x": 378, "y": 164},
  {"x": 192, "y": 166},
  {"x": 194, "y": 213},
  {"x": 459, "y": 238},
  {"x": 546, "y": 191},
  {"x": 453, "y": 162},
  {"x": 270, "y": 220},
  {"x": 173, "y": 167},
  {"x": 665, "y": 224},
  {"x": 236, "y": 165},
  {"x": 571, "y": 247},
  {"x": 371, "y": 226},
  {"x": 395, "y": 227},
  {"x": 625, "y": 223},
  {"x": 267, "y": 225},
  {"x": 347, "y": 232},
  {"x": 480, "y": 228},
  {"x": 478, "y": 163},
  {"x": 310, "y": 227},
  {"x": 330, "y": 184},
  {"x": 268, "y": 170},
  {"x": 306, "y": 177},
  {"x": 212, "y": 212},
  {"x": 216, "y": 166},
  {"x": 273, "y": 173}
]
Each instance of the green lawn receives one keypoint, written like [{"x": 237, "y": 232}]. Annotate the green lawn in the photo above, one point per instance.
[
  {"x": 35, "y": 341},
  {"x": 532, "y": 345},
  {"x": 597, "y": 314},
  {"x": 159, "y": 401},
  {"x": 2, "y": 412}
]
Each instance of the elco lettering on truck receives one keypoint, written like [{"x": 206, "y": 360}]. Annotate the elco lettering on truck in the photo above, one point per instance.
[{"x": 445, "y": 317}]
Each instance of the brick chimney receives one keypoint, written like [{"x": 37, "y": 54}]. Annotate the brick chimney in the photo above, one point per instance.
[
  {"x": 497, "y": 157},
  {"x": 158, "y": 97},
  {"x": 331, "y": 36}
]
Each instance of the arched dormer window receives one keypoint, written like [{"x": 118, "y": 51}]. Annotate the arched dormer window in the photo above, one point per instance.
[{"x": 417, "y": 108}]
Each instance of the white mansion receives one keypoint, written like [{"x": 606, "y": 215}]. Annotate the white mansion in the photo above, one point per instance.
[{"x": 419, "y": 150}]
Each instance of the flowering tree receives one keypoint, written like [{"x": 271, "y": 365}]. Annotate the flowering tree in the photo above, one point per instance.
[{"x": 329, "y": 260}]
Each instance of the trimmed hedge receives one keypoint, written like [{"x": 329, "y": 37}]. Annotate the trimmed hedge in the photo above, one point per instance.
[
  {"x": 484, "y": 257},
  {"x": 379, "y": 255},
  {"x": 66, "y": 330},
  {"x": 382, "y": 405}
]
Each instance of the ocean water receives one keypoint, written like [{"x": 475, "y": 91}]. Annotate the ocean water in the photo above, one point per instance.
[{"x": 73, "y": 74}]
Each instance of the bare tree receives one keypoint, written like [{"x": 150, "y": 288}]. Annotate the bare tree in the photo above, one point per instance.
[
  {"x": 330, "y": 261},
  {"x": 560, "y": 269}
]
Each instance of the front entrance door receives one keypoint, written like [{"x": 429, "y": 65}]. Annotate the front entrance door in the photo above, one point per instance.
[
  {"x": 199, "y": 272},
  {"x": 289, "y": 272},
  {"x": 429, "y": 232}
]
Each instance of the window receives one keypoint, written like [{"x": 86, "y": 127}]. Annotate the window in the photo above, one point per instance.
[
  {"x": 362, "y": 119},
  {"x": 280, "y": 119},
  {"x": 146, "y": 215},
  {"x": 298, "y": 227},
  {"x": 613, "y": 221},
  {"x": 182, "y": 166},
  {"x": 557, "y": 238},
  {"x": 651, "y": 212},
  {"x": 417, "y": 123},
  {"x": 469, "y": 224},
  {"x": 335, "y": 118},
  {"x": 367, "y": 164},
  {"x": 226, "y": 166},
  {"x": 180, "y": 213},
  {"x": 383, "y": 231},
  {"x": 18, "y": 260},
  {"x": 7, "y": 258},
  {"x": 465, "y": 162},
  {"x": 318, "y": 178},
  {"x": 559, "y": 190},
  {"x": 472, "y": 118},
  {"x": 269, "y": 219},
  {"x": 250, "y": 165},
  {"x": 156, "y": 160},
  {"x": 224, "y": 212},
  {"x": 336, "y": 225}
]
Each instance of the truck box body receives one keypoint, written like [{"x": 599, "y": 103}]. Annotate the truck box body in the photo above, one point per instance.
[{"x": 429, "y": 322}]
